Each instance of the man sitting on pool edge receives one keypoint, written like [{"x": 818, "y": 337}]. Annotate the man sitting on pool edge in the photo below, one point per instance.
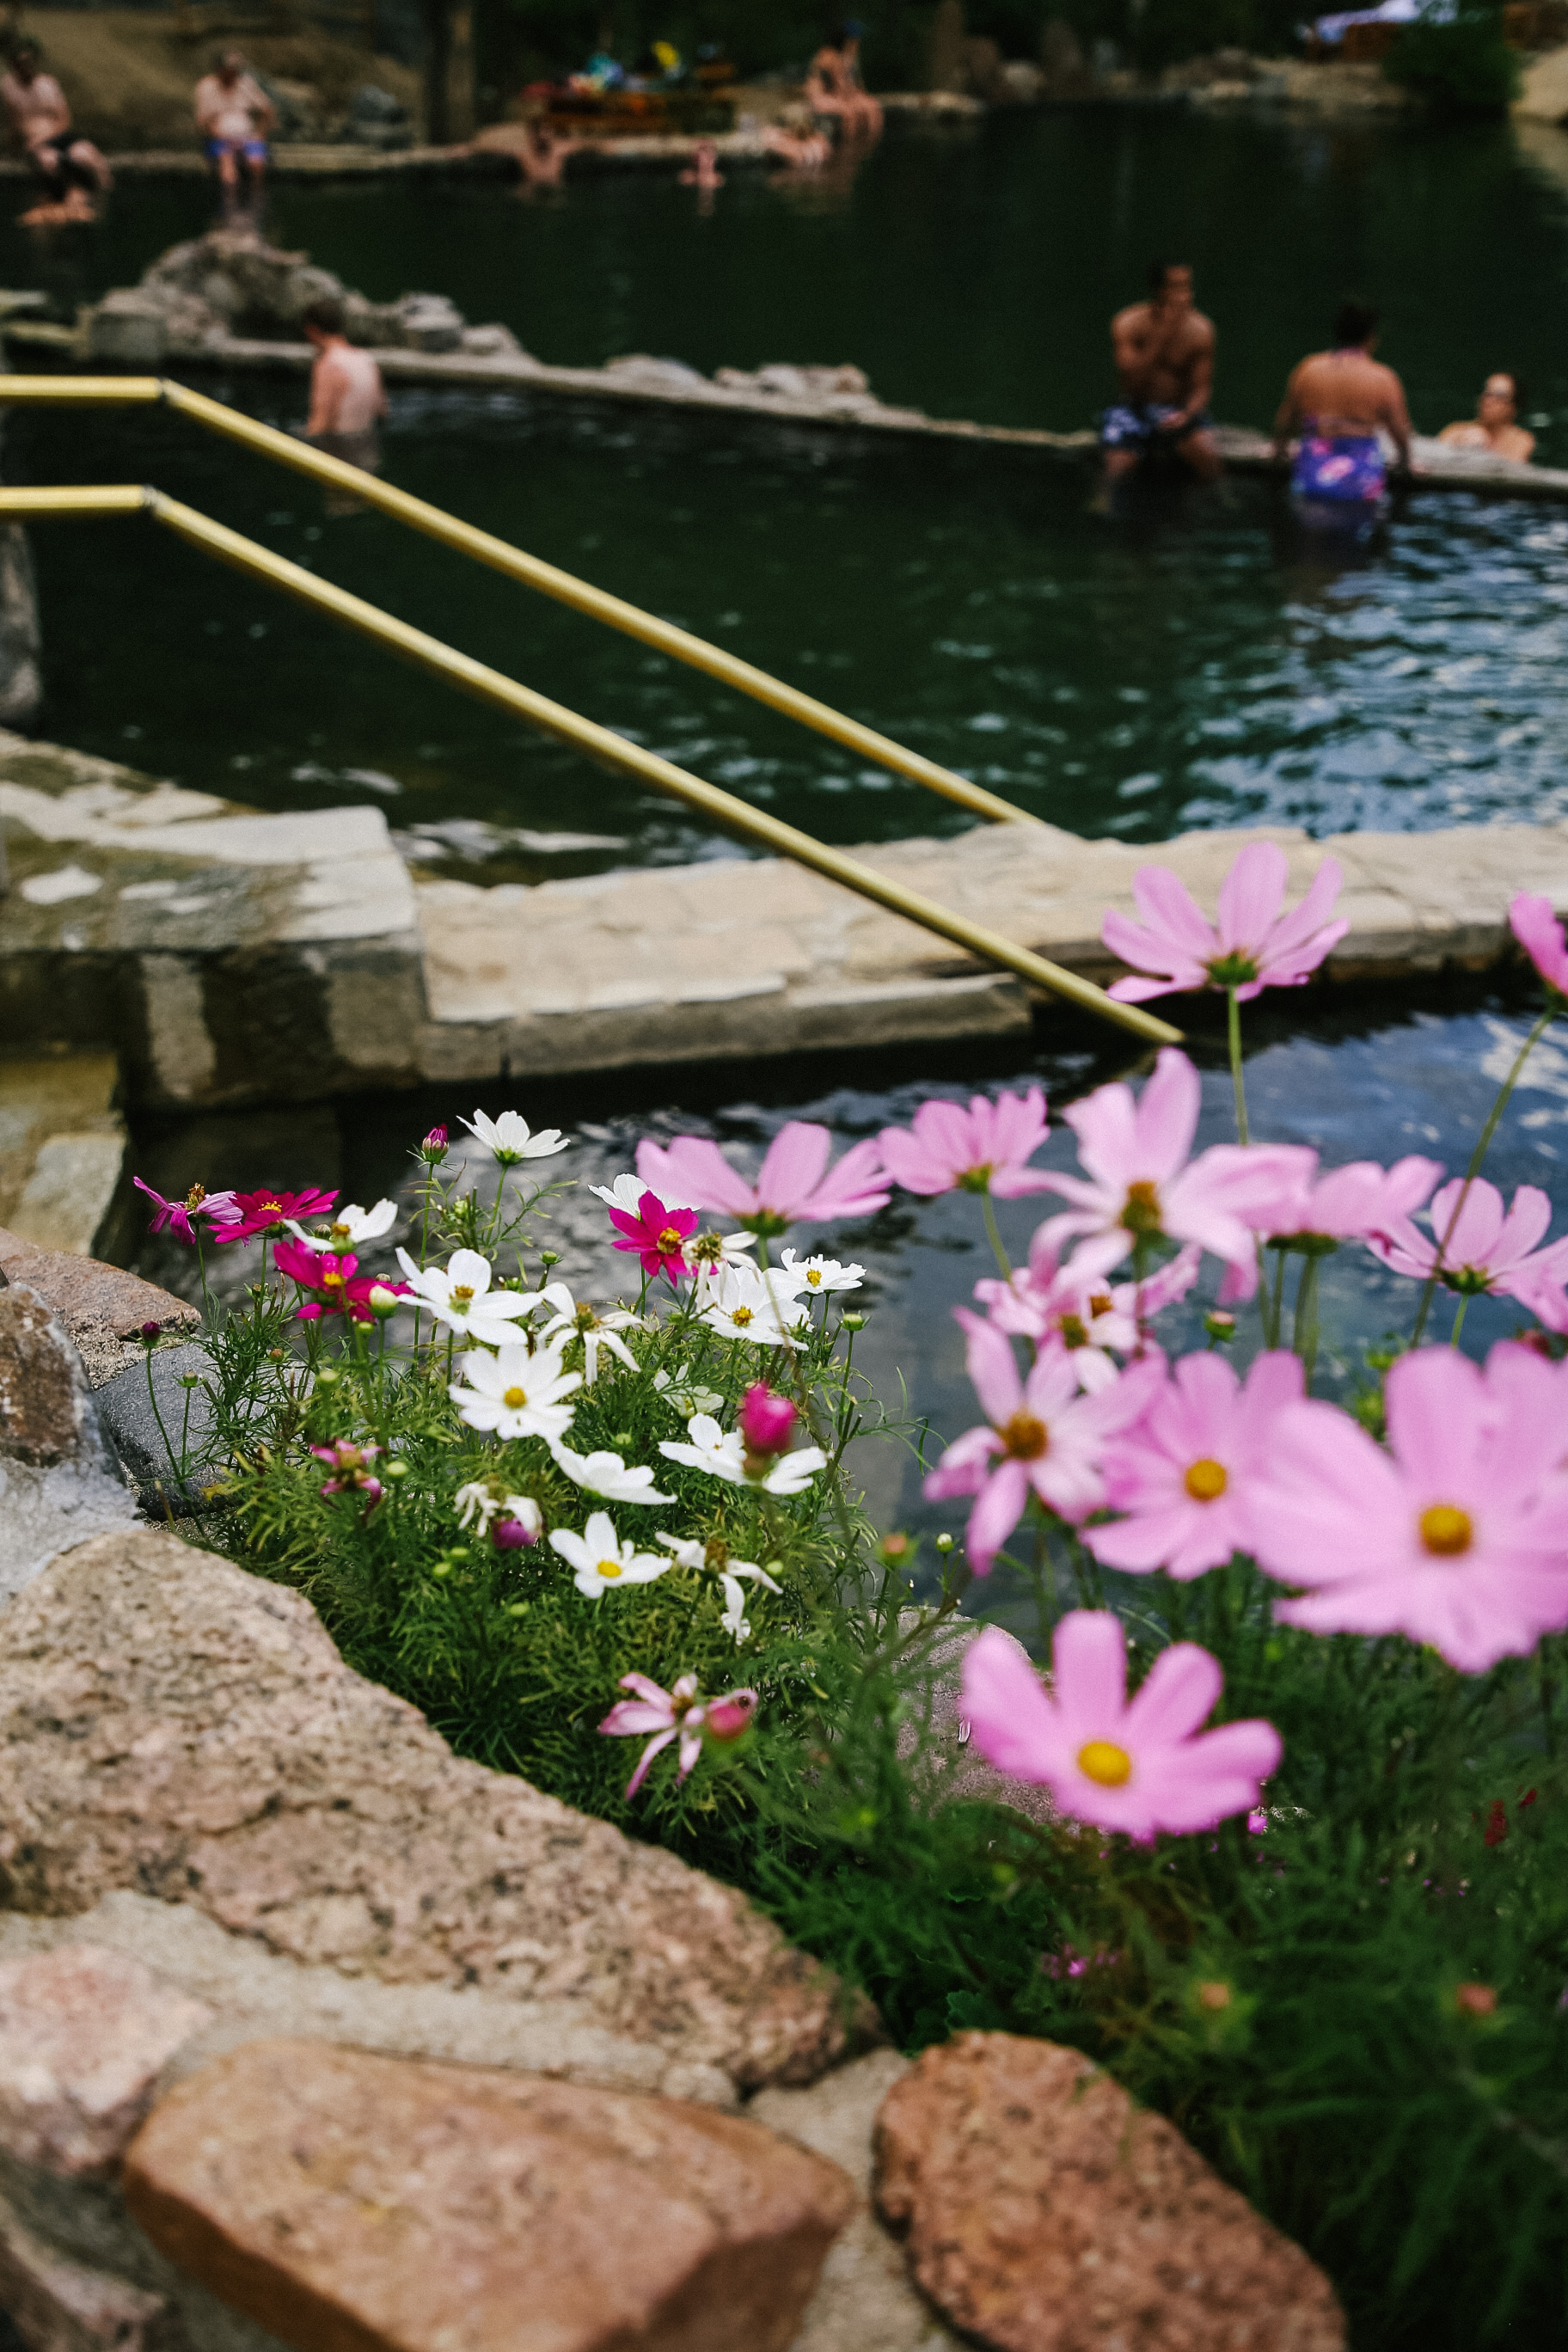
[
  {"x": 1164, "y": 352},
  {"x": 1494, "y": 431},
  {"x": 1336, "y": 402}
]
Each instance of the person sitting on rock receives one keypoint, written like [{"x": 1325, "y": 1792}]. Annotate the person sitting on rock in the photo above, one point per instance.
[
  {"x": 70, "y": 168},
  {"x": 233, "y": 115},
  {"x": 834, "y": 84},
  {"x": 348, "y": 399},
  {"x": 1494, "y": 430}
]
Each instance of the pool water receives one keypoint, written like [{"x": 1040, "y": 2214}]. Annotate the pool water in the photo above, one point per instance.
[
  {"x": 1190, "y": 665},
  {"x": 1387, "y": 1076}
]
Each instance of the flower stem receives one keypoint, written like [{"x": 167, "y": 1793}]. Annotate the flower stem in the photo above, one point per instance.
[
  {"x": 997, "y": 1251},
  {"x": 1458, "y": 1319},
  {"x": 1483, "y": 1143},
  {"x": 1278, "y": 1309},
  {"x": 1305, "y": 1338},
  {"x": 1233, "y": 1012}
]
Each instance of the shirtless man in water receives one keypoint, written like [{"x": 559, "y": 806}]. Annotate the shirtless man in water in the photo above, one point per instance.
[
  {"x": 71, "y": 169},
  {"x": 1335, "y": 402},
  {"x": 1164, "y": 349},
  {"x": 348, "y": 400}
]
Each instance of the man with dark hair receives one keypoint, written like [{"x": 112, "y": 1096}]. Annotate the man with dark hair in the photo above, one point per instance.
[
  {"x": 1338, "y": 402},
  {"x": 347, "y": 398},
  {"x": 1163, "y": 350},
  {"x": 1495, "y": 431},
  {"x": 71, "y": 169}
]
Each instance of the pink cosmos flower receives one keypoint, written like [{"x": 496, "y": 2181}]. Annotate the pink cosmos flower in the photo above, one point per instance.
[
  {"x": 1141, "y": 1181},
  {"x": 1071, "y": 1306},
  {"x": 1255, "y": 947},
  {"x": 678, "y": 1714},
  {"x": 1187, "y": 1473},
  {"x": 1140, "y": 1765},
  {"x": 1540, "y": 934},
  {"x": 331, "y": 1284},
  {"x": 794, "y": 1183},
  {"x": 1456, "y": 1536},
  {"x": 216, "y": 1210},
  {"x": 657, "y": 1235},
  {"x": 1486, "y": 1250},
  {"x": 349, "y": 1465},
  {"x": 765, "y": 1420},
  {"x": 1039, "y": 1436},
  {"x": 268, "y": 1211},
  {"x": 1360, "y": 1201},
  {"x": 980, "y": 1149}
]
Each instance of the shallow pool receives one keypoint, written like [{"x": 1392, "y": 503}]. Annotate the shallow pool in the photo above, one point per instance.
[{"x": 1187, "y": 667}]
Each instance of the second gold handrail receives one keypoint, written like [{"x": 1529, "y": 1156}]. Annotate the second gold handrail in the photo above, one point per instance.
[{"x": 569, "y": 727}]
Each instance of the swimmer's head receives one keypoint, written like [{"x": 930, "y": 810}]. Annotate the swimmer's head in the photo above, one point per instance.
[
  {"x": 230, "y": 64},
  {"x": 1355, "y": 327},
  {"x": 1502, "y": 397},
  {"x": 323, "y": 319},
  {"x": 26, "y": 57},
  {"x": 1171, "y": 284}
]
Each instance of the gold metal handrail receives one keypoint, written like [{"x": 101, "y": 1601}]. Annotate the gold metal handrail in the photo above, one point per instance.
[
  {"x": 599, "y": 743},
  {"x": 287, "y": 449}
]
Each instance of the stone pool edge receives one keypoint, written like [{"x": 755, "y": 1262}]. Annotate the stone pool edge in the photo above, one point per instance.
[{"x": 228, "y": 957}]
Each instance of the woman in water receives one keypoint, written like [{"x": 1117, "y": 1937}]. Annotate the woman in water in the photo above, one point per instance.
[
  {"x": 1495, "y": 431},
  {"x": 1337, "y": 405}
]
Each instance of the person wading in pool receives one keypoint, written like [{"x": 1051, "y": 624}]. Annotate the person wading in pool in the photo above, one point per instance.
[
  {"x": 1335, "y": 402},
  {"x": 1164, "y": 349},
  {"x": 348, "y": 400},
  {"x": 1495, "y": 430}
]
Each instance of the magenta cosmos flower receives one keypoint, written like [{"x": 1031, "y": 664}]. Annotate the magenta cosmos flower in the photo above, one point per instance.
[
  {"x": 1255, "y": 946},
  {"x": 1457, "y": 1535},
  {"x": 793, "y": 1186},
  {"x": 1039, "y": 1436},
  {"x": 1484, "y": 1250},
  {"x": 679, "y": 1714},
  {"x": 1071, "y": 1306},
  {"x": 1185, "y": 1475},
  {"x": 332, "y": 1285},
  {"x": 657, "y": 1235},
  {"x": 1358, "y": 1203},
  {"x": 1540, "y": 934},
  {"x": 1139, "y": 1180},
  {"x": 1140, "y": 1765},
  {"x": 216, "y": 1211},
  {"x": 982, "y": 1149},
  {"x": 268, "y": 1211}
]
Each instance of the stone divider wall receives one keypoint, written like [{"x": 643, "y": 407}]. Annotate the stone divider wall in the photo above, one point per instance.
[{"x": 228, "y": 957}]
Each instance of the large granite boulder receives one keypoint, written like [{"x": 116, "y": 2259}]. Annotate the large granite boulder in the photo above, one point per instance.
[
  {"x": 171, "y": 1724},
  {"x": 59, "y": 1482}
]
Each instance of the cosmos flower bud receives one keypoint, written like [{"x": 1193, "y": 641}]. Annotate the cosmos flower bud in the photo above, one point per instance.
[
  {"x": 726, "y": 1718},
  {"x": 434, "y": 1147},
  {"x": 511, "y": 1535},
  {"x": 151, "y": 1332},
  {"x": 765, "y": 1420},
  {"x": 383, "y": 1302}
]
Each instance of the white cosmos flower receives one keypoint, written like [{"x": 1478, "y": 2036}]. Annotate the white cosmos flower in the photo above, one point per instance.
[
  {"x": 817, "y": 1275},
  {"x": 477, "y": 1506},
  {"x": 690, "y": 1552},
  {"x": 510, "y": 1138},
  {"x": 606, "y": 1474},
  {"x": 627, "y": 1193},
  {"x": 741, "y": 1306},
  {"x": 722, "y": 1454},
  {"x": 526, "y": 1511},
  {"x": 349, "y": 1228},
  {"x": 571, "y": 1320},
  {"x": 460, "y": 1294},
  {"x": 516, "y": 1394},
  {"x": 601, "y": 1559},
  {"x": 685, "y": 1398}
]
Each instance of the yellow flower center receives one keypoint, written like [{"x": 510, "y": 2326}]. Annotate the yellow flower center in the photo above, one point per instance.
[
  {"x": 1024, "y": 1438},
  {"x": 609, "y": 1569},
  {"x": 273, "y": 1208},
  {"x": 1073, "y": 1332},
  {"x": 813, "y": 1276},
  {"x": 1103, "y": 1761},
  {"x": 462, "y": 1295},
  {"x": 1446, "y": 1530},
  {"x": 1101, "y": 1303},
  {"x": 670, "y": 1242},
  {"x": 1140, "y": 1212},
  {"x": 195, "y": 1196},
  {"x": 742, "y": 1316},
  {"x": 1206, "y": 1481},
  {"x": 513, "y": 1398},
  {"x": 331, "y": 1282},
  {"x": 340, "y": 1233}
]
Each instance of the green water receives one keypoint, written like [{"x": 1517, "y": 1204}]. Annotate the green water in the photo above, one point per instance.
[{"x": 1185, "y": 666}]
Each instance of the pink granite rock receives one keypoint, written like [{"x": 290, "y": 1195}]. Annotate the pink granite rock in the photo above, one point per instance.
[
  {"x": 85, "y": 2035},
  {"x": 344, "y": 2199}
]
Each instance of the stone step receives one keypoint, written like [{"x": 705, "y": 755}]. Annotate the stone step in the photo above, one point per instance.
[{"x": 229, "y": 957}]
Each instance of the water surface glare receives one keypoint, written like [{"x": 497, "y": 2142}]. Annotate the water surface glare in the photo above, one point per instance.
[{"x": 1185, "y": 666}]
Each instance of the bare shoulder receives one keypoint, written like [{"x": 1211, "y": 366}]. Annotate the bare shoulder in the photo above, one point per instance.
[
  {"x": 1133, "y": 320},
  {"x": 1200, "y": 333}
]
